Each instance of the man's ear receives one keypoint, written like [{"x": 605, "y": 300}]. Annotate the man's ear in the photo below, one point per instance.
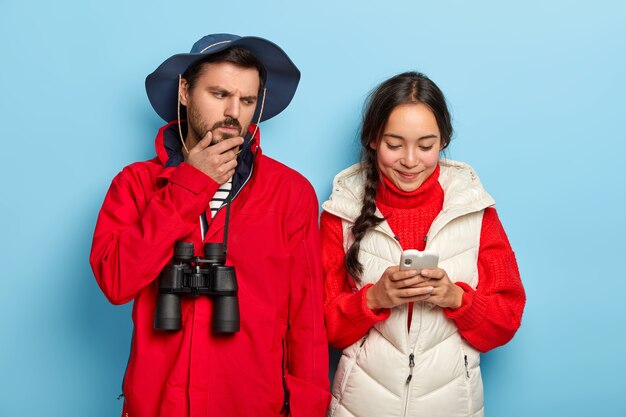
[{"x": 183, "y": 91}]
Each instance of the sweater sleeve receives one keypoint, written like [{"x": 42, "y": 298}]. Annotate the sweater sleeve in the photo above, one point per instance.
[
  {"x": 490, "y": 315},
  {"x": 138, "y": 225},
  {"x": 345, "y": 309}
]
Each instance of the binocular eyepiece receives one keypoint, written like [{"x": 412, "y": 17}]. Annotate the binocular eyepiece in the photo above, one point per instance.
[{"x": 191, "y": 275}]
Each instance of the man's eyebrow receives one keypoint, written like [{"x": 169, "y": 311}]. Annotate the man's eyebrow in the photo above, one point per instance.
[{"x": 218, "y": 89}]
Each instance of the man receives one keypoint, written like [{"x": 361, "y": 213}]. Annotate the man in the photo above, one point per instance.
[{"x": 277, "y": 362}]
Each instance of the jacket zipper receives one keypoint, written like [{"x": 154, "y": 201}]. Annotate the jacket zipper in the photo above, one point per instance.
[
  {"x": 130, "y": 351},
  {"x": 466, "y": 367},
  {"x": 285, "y": 410}
]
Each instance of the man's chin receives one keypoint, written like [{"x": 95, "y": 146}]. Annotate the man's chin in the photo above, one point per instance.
[
  {"x": 218, "y": 139},
  {"x": 219, "y": 136}
]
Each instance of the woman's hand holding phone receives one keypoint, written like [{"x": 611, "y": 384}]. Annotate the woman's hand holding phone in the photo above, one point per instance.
[
  {"x": 417, "y": 278},
  {"x": 396, "y": 287}
]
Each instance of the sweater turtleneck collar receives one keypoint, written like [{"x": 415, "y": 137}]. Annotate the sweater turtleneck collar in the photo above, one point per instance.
[{"x": 430, "y": 192}]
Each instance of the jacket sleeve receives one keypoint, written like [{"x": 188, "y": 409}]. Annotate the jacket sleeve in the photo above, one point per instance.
[
  {"x": 490, "y": 315},
  {"x": 307, "y": 345},
  {"x": 345, "y": 309},
  {"x": 139, "y": 224}
]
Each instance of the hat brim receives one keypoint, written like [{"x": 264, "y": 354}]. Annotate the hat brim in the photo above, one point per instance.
[{"x": 282, "y": 77}]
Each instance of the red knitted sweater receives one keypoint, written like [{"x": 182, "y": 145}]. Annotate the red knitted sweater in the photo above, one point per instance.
[{"x": 488, "y": 317}]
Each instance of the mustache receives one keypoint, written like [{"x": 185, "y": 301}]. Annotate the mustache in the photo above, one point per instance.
[{"x": 227, "y": 122}]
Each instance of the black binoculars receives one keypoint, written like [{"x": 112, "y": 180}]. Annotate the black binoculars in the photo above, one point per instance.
[{"x": 191, "y": 275}]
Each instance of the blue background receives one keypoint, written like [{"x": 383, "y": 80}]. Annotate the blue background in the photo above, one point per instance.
[{"x": 537, "y": 93}]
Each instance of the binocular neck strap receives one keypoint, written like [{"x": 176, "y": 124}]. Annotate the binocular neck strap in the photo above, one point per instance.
[
  {"x": 204, "y": 224},
  {"x": 226, "y": 223}
]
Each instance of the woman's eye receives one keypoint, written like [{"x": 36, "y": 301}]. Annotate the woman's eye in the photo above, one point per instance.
[
  {"x": 426, "y": 148},
  {"x": 393, "y": 147}
]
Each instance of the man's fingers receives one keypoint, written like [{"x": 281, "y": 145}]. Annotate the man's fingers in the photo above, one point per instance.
[
  {"x": 205, "y": 142},
  {"x": 228, "y": 166},
  {"x": 223, "y": 178},
  {"x": 226, "y": 145},
  {"x": 225, "y": 171}
]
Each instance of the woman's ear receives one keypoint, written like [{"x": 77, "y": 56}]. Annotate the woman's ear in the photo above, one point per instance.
[
  {"x": 442, "y": 144},
  {"x": 374, "y": 145}
]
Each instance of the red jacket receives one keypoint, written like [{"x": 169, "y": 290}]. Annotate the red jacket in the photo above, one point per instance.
[{"x": 278, "y": 360}]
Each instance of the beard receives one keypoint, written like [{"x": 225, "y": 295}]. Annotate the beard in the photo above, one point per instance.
[
  {"x": 227, "y": 122},
  {"x": 200, "y": 128}
]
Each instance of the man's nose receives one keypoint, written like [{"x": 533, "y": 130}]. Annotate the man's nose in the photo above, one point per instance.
[{"x": 232, "y": 107}]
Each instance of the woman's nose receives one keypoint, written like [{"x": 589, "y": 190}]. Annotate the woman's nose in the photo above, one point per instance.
[{"x": 410, "y": 159}]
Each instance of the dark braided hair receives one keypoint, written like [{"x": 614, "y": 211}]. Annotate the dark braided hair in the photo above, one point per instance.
[{"x": 405, "y": 88}]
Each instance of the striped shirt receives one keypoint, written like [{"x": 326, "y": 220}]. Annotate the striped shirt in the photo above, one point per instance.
[{"x": 220, "y": 197}]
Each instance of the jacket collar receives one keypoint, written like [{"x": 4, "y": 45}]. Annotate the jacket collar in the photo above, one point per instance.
[
  {"x": 169, "y": 152},
  {"x": 169, "y": 149}
]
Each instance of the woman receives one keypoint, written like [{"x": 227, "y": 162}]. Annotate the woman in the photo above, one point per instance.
[{"x": 411, "y": 339}]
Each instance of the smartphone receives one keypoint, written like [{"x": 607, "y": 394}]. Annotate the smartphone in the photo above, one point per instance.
[{"x": 418, "y": 260}]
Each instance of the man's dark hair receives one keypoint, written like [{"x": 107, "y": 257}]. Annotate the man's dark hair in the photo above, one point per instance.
[{"x": 238, "y": 56}]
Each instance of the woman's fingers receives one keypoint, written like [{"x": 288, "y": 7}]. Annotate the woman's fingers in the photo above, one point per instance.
[{"x": 410, "y": 292}]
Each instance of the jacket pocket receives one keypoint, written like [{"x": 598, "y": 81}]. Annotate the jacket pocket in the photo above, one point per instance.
[
  {"x": 471, "y": 360},
  {"x": 306, "y": 398}
]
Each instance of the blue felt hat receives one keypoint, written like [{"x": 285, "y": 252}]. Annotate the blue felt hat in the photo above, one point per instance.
[{"x": 282, "y": 76}]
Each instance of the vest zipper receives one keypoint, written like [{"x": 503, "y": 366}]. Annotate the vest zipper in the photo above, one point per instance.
[
  {"x": 412, "y": 360},
  {"x": 407, "y": 385},
  {"x": 412, "y": 364},
  {"x": 466, "y": 367}
]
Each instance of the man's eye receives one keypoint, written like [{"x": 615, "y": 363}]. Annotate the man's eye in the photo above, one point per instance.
[
  {"x": 248, "y": 102},
  {"x": 219, "y": 95}
]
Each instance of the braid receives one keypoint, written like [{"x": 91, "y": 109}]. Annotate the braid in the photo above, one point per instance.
[{"x": 366, "y": 220}]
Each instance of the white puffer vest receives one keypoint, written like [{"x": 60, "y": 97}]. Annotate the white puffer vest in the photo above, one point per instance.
[{"x": 372, "y": 378}]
